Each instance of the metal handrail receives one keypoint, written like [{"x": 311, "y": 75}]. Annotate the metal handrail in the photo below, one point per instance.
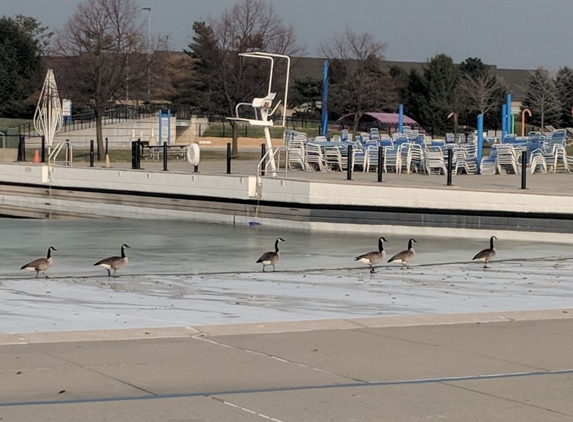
[
  {"x": 281, "y": 156},
  {"x": 69, "y": 156}
]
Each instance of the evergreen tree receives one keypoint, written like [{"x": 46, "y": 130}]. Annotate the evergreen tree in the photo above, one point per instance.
[
  {"x": 441, "y": 95},
  {"x": 21, "y": 66},
  {"x": 564, "y": 84},
  {"x": 542, "y": 99}
]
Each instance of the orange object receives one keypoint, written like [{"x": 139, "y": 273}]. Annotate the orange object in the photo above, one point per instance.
[{"x": 36, "y": 157}]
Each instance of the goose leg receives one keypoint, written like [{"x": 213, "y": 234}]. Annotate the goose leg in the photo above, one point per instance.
[
  {"x": 37, "y": 274},
  {"x": 108, "y": 272},
  {"x": 274, "y": 267},
  {"x": 263, "y": 268}
]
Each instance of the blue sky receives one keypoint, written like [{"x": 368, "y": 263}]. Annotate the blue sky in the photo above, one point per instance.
[{"x": 512, "y": 34}]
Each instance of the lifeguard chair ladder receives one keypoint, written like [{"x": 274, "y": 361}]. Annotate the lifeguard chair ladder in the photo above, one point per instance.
[{"x": 263, "y": 107}]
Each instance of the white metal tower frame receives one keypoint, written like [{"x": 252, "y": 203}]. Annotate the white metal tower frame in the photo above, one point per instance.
[{"x": 263, "y": 107}]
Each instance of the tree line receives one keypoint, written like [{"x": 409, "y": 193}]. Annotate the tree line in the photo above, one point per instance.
[{"x": 104, "y": 56}]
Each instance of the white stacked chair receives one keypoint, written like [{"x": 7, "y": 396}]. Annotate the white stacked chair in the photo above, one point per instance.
[
  {"x": 434, "y": 160},
  {"x": 334, "y": 159},
  {"x": 314, "y": 159},
  {"x": 506, "y": 159}
]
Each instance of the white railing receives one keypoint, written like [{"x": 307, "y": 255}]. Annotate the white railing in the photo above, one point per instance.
[
  {"x": 278, "y": 155},
  {"x": 68, "y": 154}
]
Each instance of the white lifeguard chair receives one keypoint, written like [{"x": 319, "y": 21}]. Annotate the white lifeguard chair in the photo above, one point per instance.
[{"x": 263, "y": 107}]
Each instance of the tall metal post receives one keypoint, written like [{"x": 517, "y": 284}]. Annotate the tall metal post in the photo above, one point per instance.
[
  {"x": 165, "y": 156},
  {"x": 350, "y": 164},
  {"x": 450, "y": 167},
  {"x": 43, "y": 148},
  {"x": 380, "y": 162},
  {"x": 263, "y": 153},
  {"x": 91, "y": 152},
  {"x": 524, "y": 169},
  {"x": 229, "y": 157}
]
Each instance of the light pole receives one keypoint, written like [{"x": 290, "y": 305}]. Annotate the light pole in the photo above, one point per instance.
[{"x": 148, "y": 53}]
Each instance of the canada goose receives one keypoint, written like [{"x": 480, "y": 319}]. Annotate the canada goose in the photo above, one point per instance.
[
  {"x": 40, "y": 265},
  {"x": 271, "y": 258},
  {"x": 374, "y": 257},
  {"x": 487, "y": 254},
  {"x": 114, "y": 262},
  {"x": 405, "y": 256}
]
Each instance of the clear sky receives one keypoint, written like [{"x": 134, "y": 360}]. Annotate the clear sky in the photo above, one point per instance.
[{"x": 512, "y": 34}]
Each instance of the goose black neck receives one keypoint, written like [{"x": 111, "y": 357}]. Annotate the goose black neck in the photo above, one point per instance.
[
  {"x": 410, "y": 244},
  {"x": 123, "y": 251},
  {"x": 491, "y": 243},
  {"x": 277, "y": 245},
  {"x": 49, "y": 253},
  {"x": 380, "y": 245}
]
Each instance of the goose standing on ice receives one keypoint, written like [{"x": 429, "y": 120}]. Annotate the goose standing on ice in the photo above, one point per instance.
[
  {"x": 487, "y": 254},
  {"x": 114, "y": 262},
  {"x": 40, "y": 265},
  {"x": 374, "y": 257},
  {"x": 271, "y": 258},
  {"x": 405, "y": 256}
]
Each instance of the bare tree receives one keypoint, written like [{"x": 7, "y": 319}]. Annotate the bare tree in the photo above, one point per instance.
[
  {"x": 542, "y": 98},
  {"x": 480, "y": 91},
  {"x": 105, "y": 50},
  {"x": 359, "y": 79},
  {"x": 227, "y": 78}
]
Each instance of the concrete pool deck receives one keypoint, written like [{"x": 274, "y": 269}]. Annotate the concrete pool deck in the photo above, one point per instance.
[{"x": 516, "y": 369}]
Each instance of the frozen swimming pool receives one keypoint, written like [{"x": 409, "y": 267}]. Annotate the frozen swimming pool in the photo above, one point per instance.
[{"x": 182, "y": 273}]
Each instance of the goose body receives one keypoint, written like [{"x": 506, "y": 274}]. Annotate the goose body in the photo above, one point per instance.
[
  {"x": 405, "y": 256},
  {"x": 114, "y": 262},
  {"x": 271, "y": 258},
  {"x": 374, "y": 257},
  {"x": 40, "y": 265},
  {"x": 486, "y": 255}
]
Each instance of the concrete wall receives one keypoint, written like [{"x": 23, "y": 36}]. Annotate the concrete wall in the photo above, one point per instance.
[
  {"x": 119, "y": 135},
  {"x": 303, "y": 204}
]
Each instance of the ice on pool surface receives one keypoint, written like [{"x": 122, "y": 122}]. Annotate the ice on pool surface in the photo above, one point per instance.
[{"x": 182, "y": 273}]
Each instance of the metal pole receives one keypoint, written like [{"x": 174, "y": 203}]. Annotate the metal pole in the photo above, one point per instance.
[
  {"x": 139, "y": 153},
  {"x": 380, "y": 162},
  {"x": 106, "y": 146},
  {"x": 21, "y": 148},
  {"x": 133, "y": 154},
  {"x": 165, "y": 156},
  {"x": 350, "y": 164},
  {"x": 263, "y": 153},
  {"x": 524, "y": 169},
  {"x": 91, "y": 153},
  {"x": 229, "y": 158},
  {"x": 450, "y": 166},
  {"x": 43, "y": 149}
]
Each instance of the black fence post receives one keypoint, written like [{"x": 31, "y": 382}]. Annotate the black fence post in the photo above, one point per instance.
[
  {"x": 196, "y": 169},
  {"x": 380, "y": 162},
  {"x": 43, "y": 149},
  {"x": 263, "y": 153},
  {"x": 106, "y": 146},
  {"x": 133, "y": 155},
  {"x": 91, "y": 152},
  {"x": 68, "y": 153},
  {"x": 450, "y": 166},
  {"x": 350, "y": 164},
  {"x": 228, "y": 158},
  {"x": 164, "y": 156},
  {"x": 524, "y": 169},
  {"x": 22, "y": 148}
]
